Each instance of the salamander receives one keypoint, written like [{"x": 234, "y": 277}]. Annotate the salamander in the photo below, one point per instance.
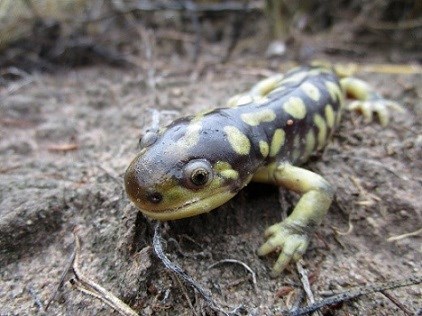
[{"x": 199, "y": 162}]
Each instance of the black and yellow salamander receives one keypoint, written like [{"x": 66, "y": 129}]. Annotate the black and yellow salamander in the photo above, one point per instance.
[{"x": 199, "y": 162}]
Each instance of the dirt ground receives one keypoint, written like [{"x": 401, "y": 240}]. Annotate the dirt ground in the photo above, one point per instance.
[{"x": 67, "y": 138}]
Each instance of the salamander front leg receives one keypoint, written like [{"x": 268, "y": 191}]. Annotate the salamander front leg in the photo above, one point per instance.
[
  {"x": 368, "y": 101},
  {"x": 293, "y": 234}
]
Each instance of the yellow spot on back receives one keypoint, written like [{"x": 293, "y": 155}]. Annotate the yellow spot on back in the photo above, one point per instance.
[
  {"x": 319, "y": 71},
  {"x": 329, "y": 115},
  {"x": 295, "y": 155},
  {"x": 295, "y": 107},
  {"x": 200, "y": 115},
  {"x": 277, "y": 90},
  {"x": 310, "y": 143},
  {"x": 311, "y": 91},
  {"x": 255, "y": 118},
  {"x": 191, "y": 136},
  {"x": 277, "y": 142},
  {"x": 333, "y": 90},
  {"x": 261, "y": 100},
  {"x": 238, "y": 141},
  {"x": 322, "y": 130},
  {"x": 264, "y": 148},
  {"x": 267, "y": 85},
  {"x": 295, "y": 78},
  {"x": 296, "y": 148},
  {"x": 296, "y": 141},
  {"x": 239, "y": 100}
]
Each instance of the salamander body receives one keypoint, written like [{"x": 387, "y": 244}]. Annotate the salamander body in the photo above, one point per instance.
[{"x": 199, "y": 162}]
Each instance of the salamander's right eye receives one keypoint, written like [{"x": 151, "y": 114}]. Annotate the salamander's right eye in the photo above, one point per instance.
[{"x": 197, "y": 173}]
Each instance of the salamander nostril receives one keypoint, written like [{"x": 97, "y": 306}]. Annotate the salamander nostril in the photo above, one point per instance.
[{"x": 155, "y": 197}]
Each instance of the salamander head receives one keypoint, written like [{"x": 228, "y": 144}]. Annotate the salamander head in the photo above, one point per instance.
[{"x": 172, "y": 178}]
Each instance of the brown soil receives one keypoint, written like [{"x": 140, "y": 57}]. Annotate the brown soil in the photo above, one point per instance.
[{"x": 66, "y": 139}]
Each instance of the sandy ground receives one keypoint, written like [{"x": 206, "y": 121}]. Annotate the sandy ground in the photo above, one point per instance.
[{"x": 66, "y": 139}]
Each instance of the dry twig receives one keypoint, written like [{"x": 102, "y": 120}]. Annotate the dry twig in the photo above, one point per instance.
[
  {"x": 63, "y": 147},
  {"x": 227, "y": 6},
  {"x": 348, "y": 295},
  {"x": 396, "y": 302},
  {"x": 87, "y": 286},
  {"x": 305, "y": 282},
  {"x": 411, "y": 234},
  {"x": 158, "y": 249}
]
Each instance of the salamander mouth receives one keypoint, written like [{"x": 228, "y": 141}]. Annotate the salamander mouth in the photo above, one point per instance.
[
  {"x": 180, "y": 207},
  {"x": 191, "y": 207}
]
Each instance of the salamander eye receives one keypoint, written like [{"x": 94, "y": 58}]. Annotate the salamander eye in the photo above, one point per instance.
[
  {"x": 149, "y": 138},
  {"x": 197, "y": 173}
]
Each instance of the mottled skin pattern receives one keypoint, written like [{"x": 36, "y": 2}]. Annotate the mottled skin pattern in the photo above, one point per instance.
[{"x": 199, "y": 162}]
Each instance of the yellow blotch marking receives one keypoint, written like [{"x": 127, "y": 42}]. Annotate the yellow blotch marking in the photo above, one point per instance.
[
  {"x": 267, "y": 85},
  {"x": 296, "y": 148},
  {"x": 238, "y": 141},
  {"x": 319, "y": 71},
  {"x": 311, "y": 91},
  {"x": 191, "y": 136},
  {"x": 296, "y": 141},
  {"x": 322, "y": 130},
  {"x": 255, "y": 118},
  {"x": 295, "y": 78},
  {"x": 277, "y": 142},
  {"x": 230, "y": 174},
  {"x": 225, "y": 170},
  {"x": 200, "y": 115},
  {"x": 310, "y": 143},
  {"x": 295, "y": 155},
  {"x": 333, "y": 90},
  {"x": 277, "y": 90},
  {"x": 261, "y": 100},
  {"x": 239, "y": 100},
  {"x": 329, "y": 115},
  {"x": 264, "y": 148},
  {"x": 295, "y": 107}
]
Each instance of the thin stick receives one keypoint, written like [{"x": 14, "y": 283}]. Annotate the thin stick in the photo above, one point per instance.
[
  {"x": 305, "y": 282},
  {"x": 229, "y": 6},
  {"x": 92, "y": 288},
  {"x": 158, "y": 249},
  {"x": 87, "y": 286},
  {"x": 62, "y": 278},
  {"x": 396, "y": 302},
  {"x": 348, "y": 295},
  {"x": 398, "y": 237}
]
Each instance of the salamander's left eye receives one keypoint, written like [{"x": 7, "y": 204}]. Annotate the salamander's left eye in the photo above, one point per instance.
[
  {"x": 149, "y": 138},
  {"x": 197, "y": 173}
]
